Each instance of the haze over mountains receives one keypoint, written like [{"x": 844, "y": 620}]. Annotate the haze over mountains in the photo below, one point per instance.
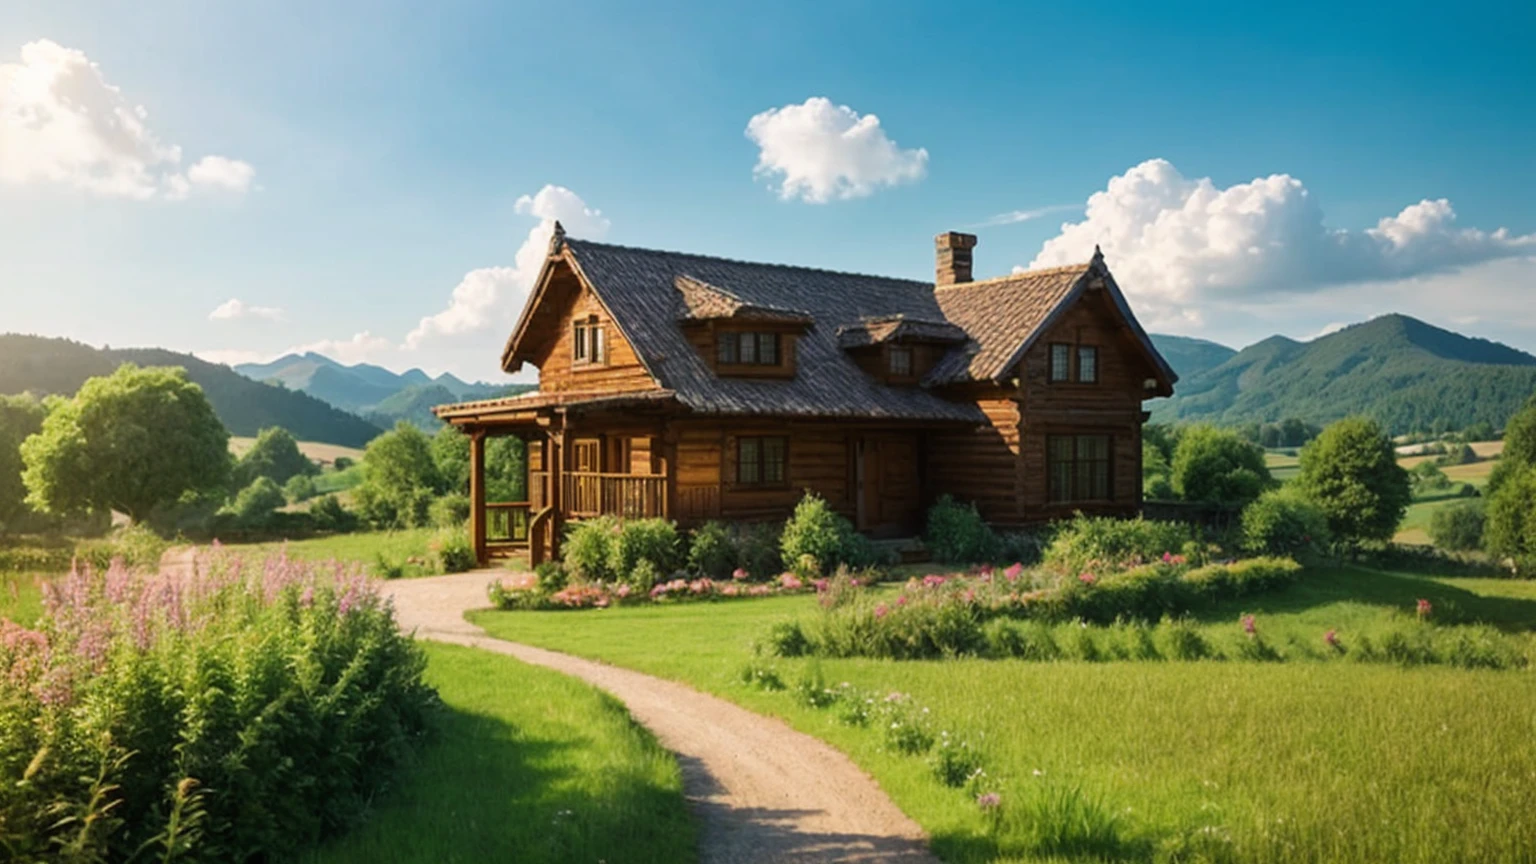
[{"x": 1405, "y": 373}]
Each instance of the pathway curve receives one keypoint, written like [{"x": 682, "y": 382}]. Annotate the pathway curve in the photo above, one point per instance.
[{"x": 762, "y": 791}]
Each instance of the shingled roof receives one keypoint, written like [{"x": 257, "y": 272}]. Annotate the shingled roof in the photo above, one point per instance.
[{"x": 989, "y": 324}]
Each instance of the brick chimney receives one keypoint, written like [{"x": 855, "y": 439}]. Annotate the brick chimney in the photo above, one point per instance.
[{"x": 952, "y": 262}]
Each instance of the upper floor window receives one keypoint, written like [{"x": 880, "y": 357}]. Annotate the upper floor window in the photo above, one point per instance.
[
  {"x": 901, "y": 361},
  {"x": 1088, "y": 364},
  {"x": 762, "y": 461},
  {"x": 588, "y": 344},
  {"x": 748, "y": 349},
  {"x": 1061, "y": 361}
]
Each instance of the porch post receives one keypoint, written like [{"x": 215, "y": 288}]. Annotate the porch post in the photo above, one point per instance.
[
  {"x": 477, "y": 494},
  {"x": 554, "y": 463}
]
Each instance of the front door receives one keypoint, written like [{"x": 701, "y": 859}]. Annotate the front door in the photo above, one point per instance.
[{"x": 886, "y": 477}]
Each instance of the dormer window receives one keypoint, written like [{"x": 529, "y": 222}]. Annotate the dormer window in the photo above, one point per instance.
[
  {"x": 901, "y": 361},
  {"x": 748, "y": 349},
  {"x": 588, "y": 345}
]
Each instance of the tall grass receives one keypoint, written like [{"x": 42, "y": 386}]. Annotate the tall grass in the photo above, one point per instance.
[{"x": 1234, "y": 761}]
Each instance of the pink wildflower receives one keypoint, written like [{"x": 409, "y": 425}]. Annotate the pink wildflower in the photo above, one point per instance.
[
  {"x": 730, "y": 591},
  {"x": 1087, "y": 578},
  {"x": 791, "y": 582},
  {"x": 1013, "y": 573},
  {"x": 1331, "y": 639},
  {"x": 933, "y": 580},
  {"x": 1167, "y": 558},
  {"x": 901, "y": 600},
  {"x": 739, "y": 574},
  {"x": 969, "y": 596},
  {"x": 821, "y": 585},
  {"x": 623, "y": 590},
  {"x": 881, "y": 610},
  {"x": 1424, "y": 609},
  {"x": 1250, "y": 626},
  {"x": 989, "y": 801}
]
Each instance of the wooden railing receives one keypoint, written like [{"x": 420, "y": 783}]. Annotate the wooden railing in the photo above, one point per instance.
[
  {"x": 630, "y": 496},
  {"x": 506, "y": 522}
]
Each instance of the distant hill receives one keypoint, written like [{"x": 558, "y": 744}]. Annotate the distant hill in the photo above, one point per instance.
[
  {"x": 1189, "y": 356},
  {"x": 45, "y": 366},
  {"x": 1405, "y": 373},
  {"x": 373, "y": 391}
]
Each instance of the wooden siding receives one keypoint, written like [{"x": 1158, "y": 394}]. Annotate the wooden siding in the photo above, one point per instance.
[
  {"x": 818, "y": 459},
  {"x": 981, "y": 463},
  {"x": 1111, "y": 406},
  {"x": 623, "y": 371}
]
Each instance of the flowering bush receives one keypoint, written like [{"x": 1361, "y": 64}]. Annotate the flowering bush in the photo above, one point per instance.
[
  {"x": 957, "y": 534},
  {"x": 230, "y": 713},
  {"x": 1099, "y": 542},
  {"x": 600, "y": 595}
]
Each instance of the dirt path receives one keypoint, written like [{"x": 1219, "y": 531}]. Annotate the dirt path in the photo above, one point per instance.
[{"x": 762, "y": 792}]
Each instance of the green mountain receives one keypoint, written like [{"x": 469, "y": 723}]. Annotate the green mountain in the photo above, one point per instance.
[
  {"x": 1189, "y": 356},
  {"x": 370, "y": 390},
  {"x": 45, "y": 366},
  {"x": 1407, "y": 374}
]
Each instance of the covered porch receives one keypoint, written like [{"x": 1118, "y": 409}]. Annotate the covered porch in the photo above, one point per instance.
[{"x": 586, "y": 457}]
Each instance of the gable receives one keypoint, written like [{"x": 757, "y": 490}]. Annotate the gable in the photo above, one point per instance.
[{"x": 546, "y": 338}]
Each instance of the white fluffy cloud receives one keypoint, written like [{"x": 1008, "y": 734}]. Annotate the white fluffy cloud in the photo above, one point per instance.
[
  {"x": 234, "y": 308},
  {"x": 820, "y": 152},
  {"x": 1181, "y": 246},
  {"x": 62, "y": 123},
  {"x": 490, "y": 298}
]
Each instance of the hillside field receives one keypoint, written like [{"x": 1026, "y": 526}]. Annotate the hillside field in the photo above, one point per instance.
[{"x": 317, "y": 451}]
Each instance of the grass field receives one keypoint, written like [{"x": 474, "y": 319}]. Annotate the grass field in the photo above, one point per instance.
[
  {"x": 528, "y": 766},
  {"x": 323, "y": 453},
  {"x": 21, "y": 598},
  {"x": 411, "y": 546},
  {"x": 1333, "y": 761}
]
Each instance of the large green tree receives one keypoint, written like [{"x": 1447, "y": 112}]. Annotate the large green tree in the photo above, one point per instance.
[
  {"x": 1510, "y": 529},
  {"x": 1219, "y": 467},
  {"x": 129, "y": 441},
  {"x": 276, "y": 456},
  {"x": 1351, "y": 472},
  {"x": 400, "y": 478},
  {"x": 1519, "y": 446},
  {"x": 20, "y": 417}
]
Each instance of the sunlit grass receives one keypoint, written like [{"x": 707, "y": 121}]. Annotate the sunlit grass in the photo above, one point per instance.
[
  {"x": 1297, "y": 762},
  {"x": 529, "y": 766}
]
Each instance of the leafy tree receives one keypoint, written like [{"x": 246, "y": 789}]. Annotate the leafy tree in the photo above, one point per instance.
[
  {"x": 129, "y": 441},
  {"x": 257, "y": 502},
  {"x": 1510, "y": 530},
  {"x": 1480, "y": 431},
  {"x": 400, "y": 478},
  {"x": 1218, "y": 466},
  {"x": 506, "y": 464},
  {"x": 20, "y": 417},
  {"x": 1458, "y": 527},
  {"x": 1351, "y": 472},
  {"x": 1519, "y": 446},
  {"x": 1155, "y": 485},
  {"x": 276, "y": 456},
  {"x": 300, "y": 487}
]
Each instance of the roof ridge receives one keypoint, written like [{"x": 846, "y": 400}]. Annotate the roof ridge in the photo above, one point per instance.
[
  {"x": 1042, "y": 271},
  {"x": 722, "y": 259}
]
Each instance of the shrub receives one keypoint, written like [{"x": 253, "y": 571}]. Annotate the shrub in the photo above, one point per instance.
[
  {"x": 651, "y": 540},
  {"x": 135, "y": 545},
  {"x": 449, "y": 511},
  {"x": 300, "y": 487},
  {"x": 342, "y": 463},
  {"x": 957, "y": 534},
  {"x": 818, "y": 538},
  {"x": 1025, "y": 640},
  {"x": 329, "y": 515},
  {"x": 256, "y": 502},
  {"x": 1458, "y": 527},
  {"x": 1218, "y": 467},
  {"x": 1021, "y": 547},
  {"x": 1105, "y": 541},
  {"x": 954, "y": 760},
  {"x": 453, "y": 551},
  {"x": 1183, "y": 641},
  {"x": 757, "y": 550},
  {"x": 261, "y": 713},
  {"x": 551, "y": 576},
  {"x": 644, "y": 576},
  {"x": 588, "y": 549},
  {"x": 786, "y": 639},
  {"x": 711, "y": 551},
  {"x": 1283, "y": 522}
]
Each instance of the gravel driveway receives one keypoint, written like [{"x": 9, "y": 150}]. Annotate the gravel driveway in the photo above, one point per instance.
[{"x": 761, "y": 791}]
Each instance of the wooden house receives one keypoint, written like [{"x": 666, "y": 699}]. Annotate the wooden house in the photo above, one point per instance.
[{"x": 697, "y": 388}]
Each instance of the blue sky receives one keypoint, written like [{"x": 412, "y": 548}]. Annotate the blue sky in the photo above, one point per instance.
[{"x": 372, "y": 158}]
